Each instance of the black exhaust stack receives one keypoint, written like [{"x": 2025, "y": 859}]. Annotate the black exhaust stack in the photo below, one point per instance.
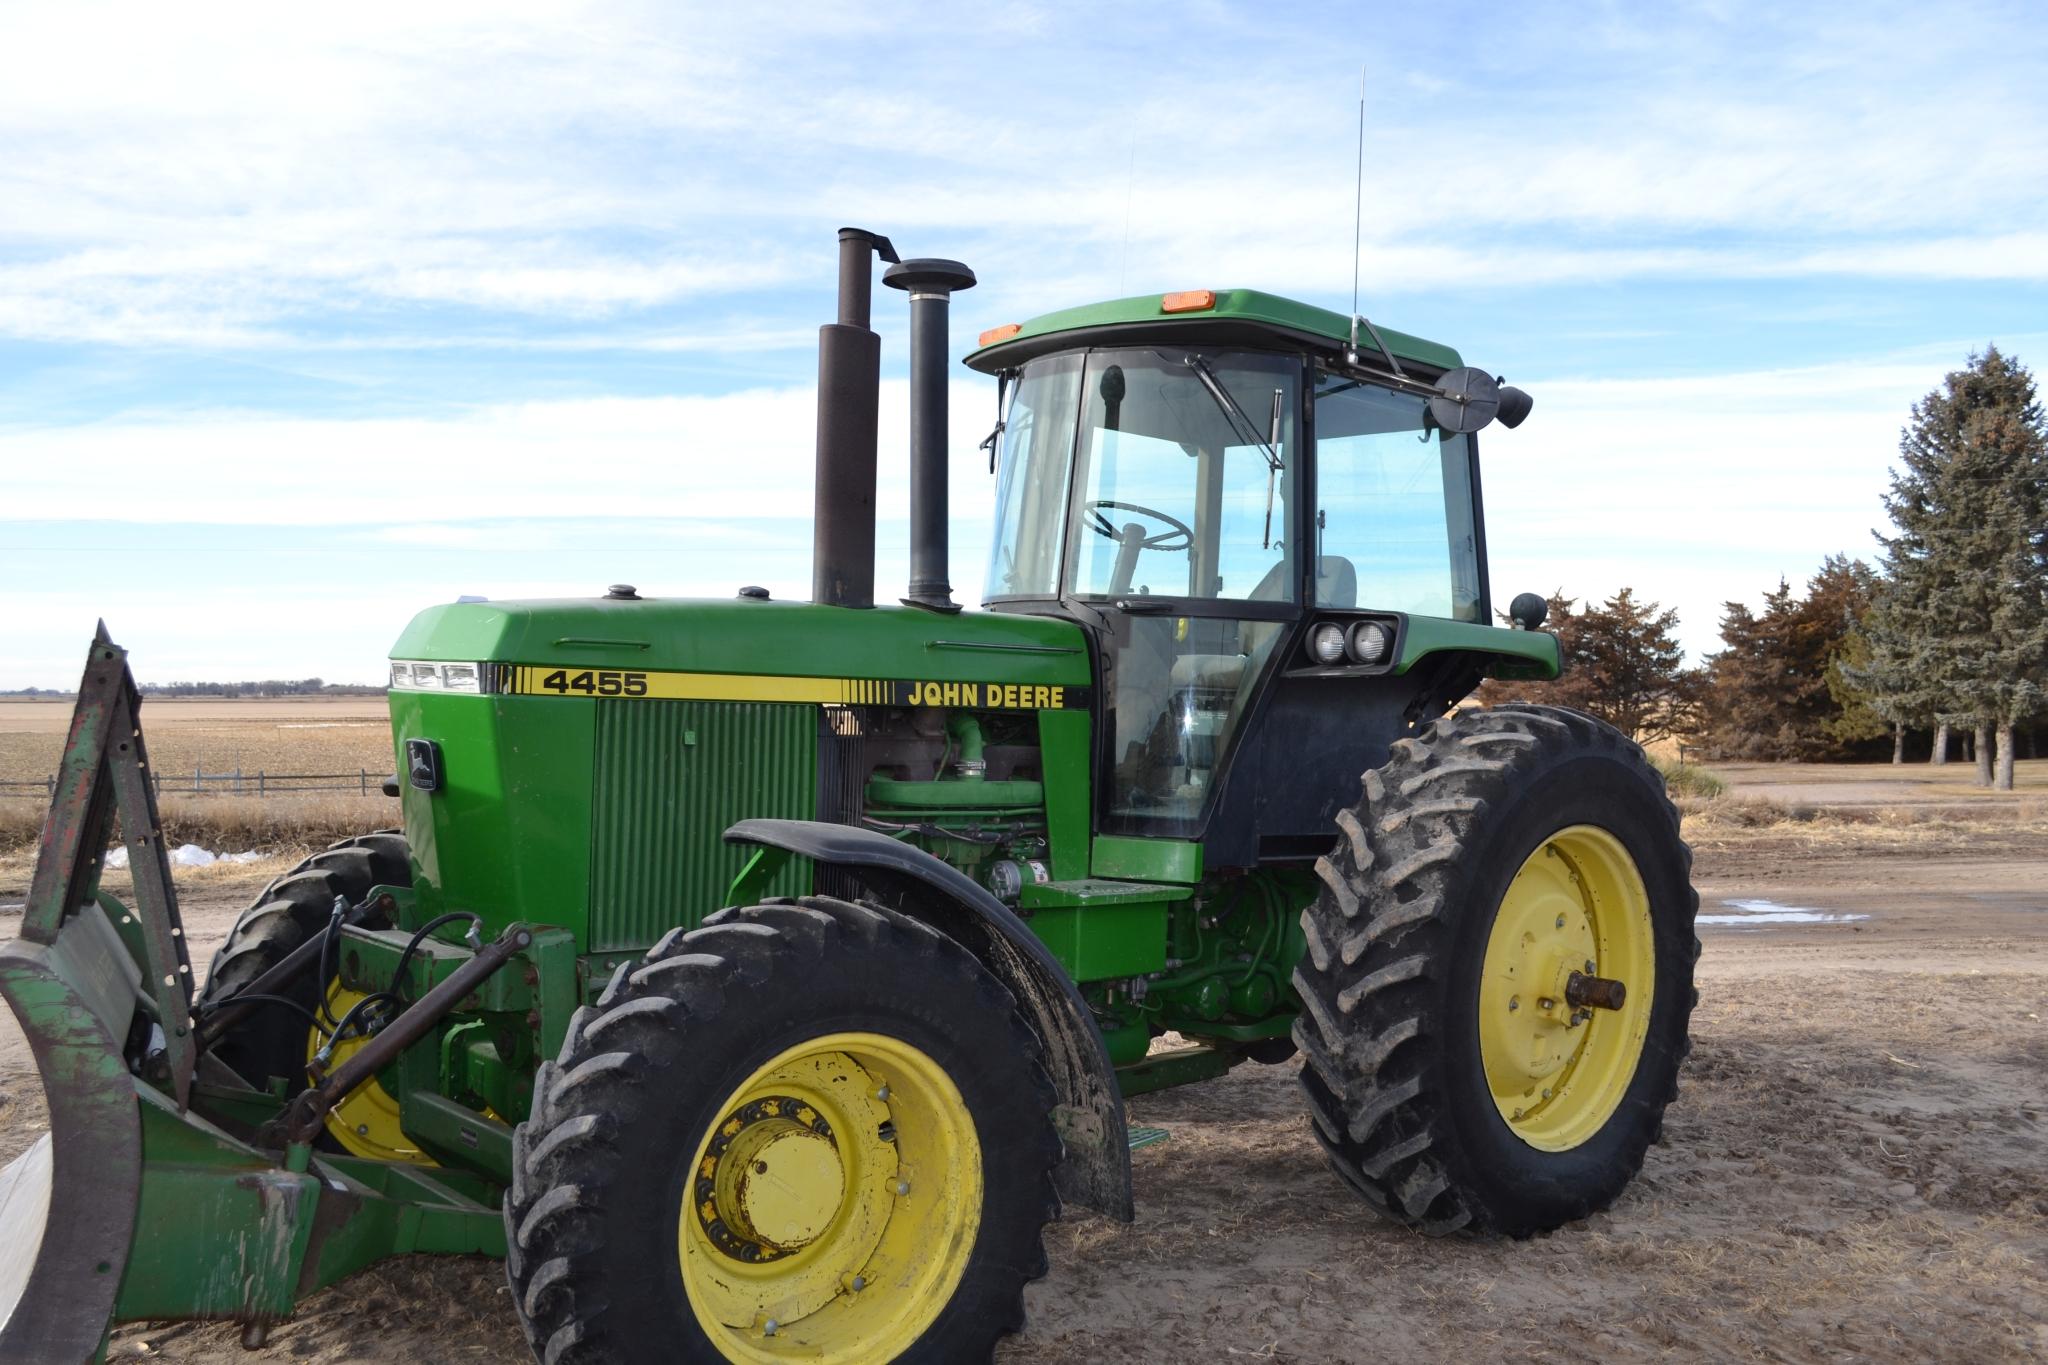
[
  {"x": 849, "y": 397},
  {"x": 931, "y": 284}
]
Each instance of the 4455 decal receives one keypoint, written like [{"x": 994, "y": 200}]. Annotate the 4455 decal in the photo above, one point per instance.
[{"x": 596, "y": 682}]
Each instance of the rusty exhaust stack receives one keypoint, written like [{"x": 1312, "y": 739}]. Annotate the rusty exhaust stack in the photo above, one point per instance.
[{"x": 849, "y": 397}]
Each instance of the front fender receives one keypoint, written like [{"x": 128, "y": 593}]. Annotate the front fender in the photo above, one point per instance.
[{"x": 1096, "y": 1170}]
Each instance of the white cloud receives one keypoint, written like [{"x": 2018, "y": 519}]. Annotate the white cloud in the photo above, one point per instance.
[
  {"x": 1698, "y": 490},
  {"x": 238, "y": 176},
  {"x": 1692, "y": 489},
  {"x": 734, "y": 456}
]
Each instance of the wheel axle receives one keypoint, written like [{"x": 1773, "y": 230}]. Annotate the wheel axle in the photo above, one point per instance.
[{"x": 1597, "y": 992}]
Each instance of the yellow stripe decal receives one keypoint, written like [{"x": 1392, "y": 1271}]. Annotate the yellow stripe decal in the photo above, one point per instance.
[{"x": 539, "y": 680}]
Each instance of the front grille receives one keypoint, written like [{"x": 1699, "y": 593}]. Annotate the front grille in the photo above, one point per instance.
[{"x": 670, "y": 777}]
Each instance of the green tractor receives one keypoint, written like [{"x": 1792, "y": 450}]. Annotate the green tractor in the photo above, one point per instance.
[{"x": 759, "y": 978}]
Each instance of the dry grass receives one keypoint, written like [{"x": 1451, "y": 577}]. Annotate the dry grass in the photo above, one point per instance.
[
  {"x": 1688, "y": 779},
  {"x": 231, "y": 824},
  {"x": 1731, "y": 821}
]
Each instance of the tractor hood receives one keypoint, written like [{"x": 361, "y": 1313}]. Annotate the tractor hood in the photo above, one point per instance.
[{"x": 748, "y": 638}]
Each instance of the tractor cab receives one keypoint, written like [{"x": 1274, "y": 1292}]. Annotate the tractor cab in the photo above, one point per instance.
[{"x": 1240, "y": 508}]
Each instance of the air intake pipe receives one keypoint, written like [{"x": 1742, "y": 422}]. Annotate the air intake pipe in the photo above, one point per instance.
[
  {"x": 931, "y": 285},
  {"x": 849, "y": 398}
]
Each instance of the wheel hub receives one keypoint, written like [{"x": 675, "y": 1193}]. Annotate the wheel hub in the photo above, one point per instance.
[
  {"x": 1564, "y": 990},
  {"x": 772, "y": 1181}
]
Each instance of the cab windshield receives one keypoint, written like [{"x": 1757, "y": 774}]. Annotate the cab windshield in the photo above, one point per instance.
[{"x": 1187, "y": 466}]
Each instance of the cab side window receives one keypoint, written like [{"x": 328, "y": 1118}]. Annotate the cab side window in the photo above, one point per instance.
[{"x": 1394, "y": 501}]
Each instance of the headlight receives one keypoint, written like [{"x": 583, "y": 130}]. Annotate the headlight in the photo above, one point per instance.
[
  {"x": 407, "y": 676},
  {"x": 1326, "y": 643},
  {"x": 1368, "y": 642}
]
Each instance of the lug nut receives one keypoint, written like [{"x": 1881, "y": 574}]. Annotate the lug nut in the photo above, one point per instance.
[
  {"x": 770, "y": 1327},
  {"x": 883, "y": 1094},
  {"x": 860, "y": 1282},
  {"x": 903, "y": 1187},
  {"x": 1514, "y": 1003},
  {"x": 1589, "y": 966},
  {"x": 1560, "y": 921}
]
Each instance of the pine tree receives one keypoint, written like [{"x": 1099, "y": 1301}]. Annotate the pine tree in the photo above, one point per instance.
[
  {"x": 1622, "y": 663},
  {"x": 1966, "y": 606},
  {"x": 1775, "y": 690}
]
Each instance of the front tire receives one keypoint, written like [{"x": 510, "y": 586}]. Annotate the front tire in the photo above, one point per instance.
[
  {"x": 270, "y": 1041},
  {"x": 806, "y": 1129},
  {"x": 1497, "y": 855}
]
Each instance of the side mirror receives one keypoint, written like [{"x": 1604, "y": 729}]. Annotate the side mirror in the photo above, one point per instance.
[{"x": 1466, "y": 400}]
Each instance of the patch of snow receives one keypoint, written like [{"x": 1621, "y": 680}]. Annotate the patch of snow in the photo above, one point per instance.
[
  {"x": 184, "y": 855},
  {"x": 1754, "y": 914}
]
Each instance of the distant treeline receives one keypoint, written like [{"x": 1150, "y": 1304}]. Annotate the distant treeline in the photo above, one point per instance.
[
  {"x": 269, "y": 687},
  {"x": 1945, "y": 638}
]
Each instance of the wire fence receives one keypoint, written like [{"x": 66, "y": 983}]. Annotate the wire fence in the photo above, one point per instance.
[{"x": 199, "y": 782}]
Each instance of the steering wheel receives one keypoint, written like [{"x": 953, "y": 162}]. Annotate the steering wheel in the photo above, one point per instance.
[{"x": 1178, "y": 535}]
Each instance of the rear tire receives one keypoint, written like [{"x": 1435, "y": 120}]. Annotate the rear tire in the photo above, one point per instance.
[
  {"x": 1404, "y": 971},
  {"x": 271, "y": 1039},
  {"x": 619, "y": 1212}
]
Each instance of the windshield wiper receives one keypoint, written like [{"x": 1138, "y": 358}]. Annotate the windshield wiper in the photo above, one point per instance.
[{"x": 1267, "y": 444}]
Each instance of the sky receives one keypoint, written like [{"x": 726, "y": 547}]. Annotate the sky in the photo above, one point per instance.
[{"x": 311, "y": 317}]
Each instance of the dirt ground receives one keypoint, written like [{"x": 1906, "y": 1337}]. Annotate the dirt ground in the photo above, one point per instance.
[{"x": 1856, "y": 1168}]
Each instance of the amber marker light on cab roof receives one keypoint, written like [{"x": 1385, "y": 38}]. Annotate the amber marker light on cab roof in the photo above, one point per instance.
[
  {"x": 1188, "y": 301},
  {"x": 1002, "y": 333}
]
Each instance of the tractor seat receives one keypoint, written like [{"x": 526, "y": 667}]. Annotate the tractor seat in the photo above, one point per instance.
[{"x": 1336, "y": 586}]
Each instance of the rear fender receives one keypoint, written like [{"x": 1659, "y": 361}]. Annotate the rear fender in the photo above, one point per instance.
[
  {"x": 1096, "y": 1170},
  {"x": 67, "y": 1205}
]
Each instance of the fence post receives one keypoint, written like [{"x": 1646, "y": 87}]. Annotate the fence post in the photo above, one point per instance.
[
  {"x": 238, "y": 779},
  {"x": 51, "y": 783},
  {"x": 259, "y": 782},
  {"x": 363, "y": 780}
]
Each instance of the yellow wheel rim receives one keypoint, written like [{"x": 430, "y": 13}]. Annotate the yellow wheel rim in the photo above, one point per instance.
[
  {"x": 832, "y": 1208},
  {"x": 366, "y": 1122},
  {"x": 1558, "y": 1070}
]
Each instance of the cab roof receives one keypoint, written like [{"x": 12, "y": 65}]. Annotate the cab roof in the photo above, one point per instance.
[{"x": 1236, "y": 317}]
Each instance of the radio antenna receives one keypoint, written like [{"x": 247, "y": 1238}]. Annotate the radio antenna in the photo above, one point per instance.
[{"x": 1358, "y": 201}]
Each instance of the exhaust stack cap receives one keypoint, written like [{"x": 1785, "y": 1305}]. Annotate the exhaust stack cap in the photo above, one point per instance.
[{"x": 929, "y": 275}]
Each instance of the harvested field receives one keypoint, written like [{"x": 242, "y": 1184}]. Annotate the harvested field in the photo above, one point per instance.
[
  {"x": 284, "y": 735},
  {"x": 1854, "y": 1168},
  {"x": 313, "y": 734}
]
